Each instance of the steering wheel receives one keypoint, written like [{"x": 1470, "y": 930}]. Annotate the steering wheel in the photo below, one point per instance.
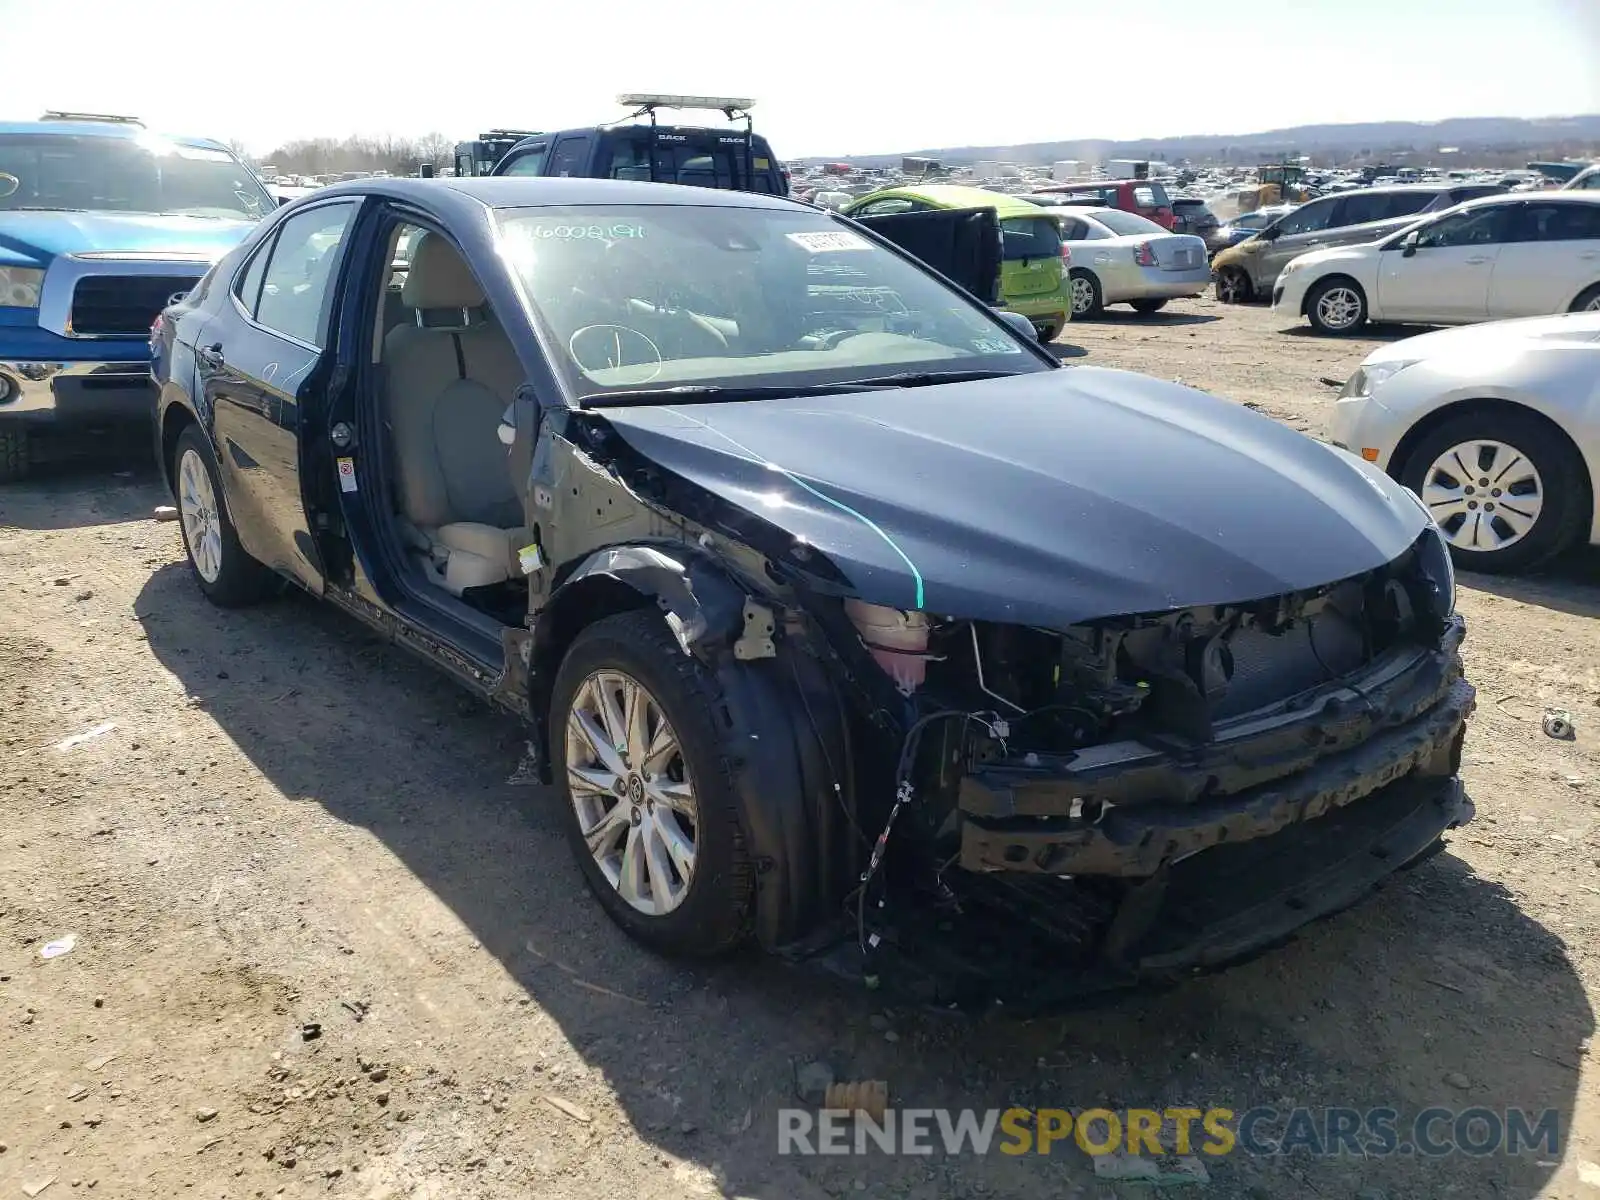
[{"x": 612, "y": 346}]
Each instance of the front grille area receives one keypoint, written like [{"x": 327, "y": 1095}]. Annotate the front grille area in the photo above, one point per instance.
[{"x": 123, "y": 305}]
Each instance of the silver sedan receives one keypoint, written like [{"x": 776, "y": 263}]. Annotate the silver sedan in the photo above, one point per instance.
[
  {"x": 1122, "y": 258},
  {"x": 1495, "y": 426}
]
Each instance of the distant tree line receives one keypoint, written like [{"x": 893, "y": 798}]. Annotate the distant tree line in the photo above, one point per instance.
[{"x": 332, "y": 156}]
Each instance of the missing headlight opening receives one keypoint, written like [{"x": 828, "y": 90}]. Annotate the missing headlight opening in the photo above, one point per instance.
[{"x": 1054, "y": 789}]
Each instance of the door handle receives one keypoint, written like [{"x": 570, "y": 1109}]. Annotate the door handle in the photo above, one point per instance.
[
  {"x": 1478, "y": 258},
  {"x": 210, "y": 355}
]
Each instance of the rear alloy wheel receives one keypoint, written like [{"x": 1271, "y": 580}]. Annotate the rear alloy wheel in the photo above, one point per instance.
[
  {"x": 1148, "y": 306},
  {"x": 1506, "y": 490},
  {"x": 1085, "y": 291},
  {"x": 651, "y": 807},
  {"x": 1337, "y": 306},
  {"x": 227, "y": 575},
  {"x": 1589, "y": 301},
  {"x": 1046, "y": 331},
  {"x": 1233, "y": 286}
]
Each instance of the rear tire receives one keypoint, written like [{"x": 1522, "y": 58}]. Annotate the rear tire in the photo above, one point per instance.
[
  {"x": 1086, "y": 295},
  {"x": 13, "y": 455},
  {"x": 228, "y": 576},
  {"x": 1234, "y": 286},
  {"x": 1336, "y": 306},
  {"x": 1147, "y": 307},
  {"x": 1554, "y": 491},
  {"x": 710, "y": 907},
  {"x": 1587, "y": 301}
]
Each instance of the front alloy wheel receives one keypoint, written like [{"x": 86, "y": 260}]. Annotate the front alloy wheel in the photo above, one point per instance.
[
  {"x": 1507, "y": 489},
  {"x": 1485, "y": 495},
  {"x": 631, "y": 792},
  {"x": 638, "y": 746},
  {"x": 1336, "y": 306}
]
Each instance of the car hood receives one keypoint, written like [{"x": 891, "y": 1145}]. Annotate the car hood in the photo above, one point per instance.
[
  {"x": 1048, "y": 498},
  {"x": 1495, "y": 338},
  {"x": 34, "y": 238}
]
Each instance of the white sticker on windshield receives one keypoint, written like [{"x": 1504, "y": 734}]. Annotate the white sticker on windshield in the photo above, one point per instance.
[{"x": 821, "y": 243}]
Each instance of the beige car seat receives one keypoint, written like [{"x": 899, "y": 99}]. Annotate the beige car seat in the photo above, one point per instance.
[{"x": 448, "y": 377}]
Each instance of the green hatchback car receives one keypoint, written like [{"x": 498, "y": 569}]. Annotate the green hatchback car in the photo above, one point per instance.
[{"x": 1033, "y": 275}]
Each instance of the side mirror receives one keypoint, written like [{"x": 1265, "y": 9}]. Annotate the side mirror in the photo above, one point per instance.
[
  {"x": 1020, "y": 325},
  {"x": 1408, "y": 244}
]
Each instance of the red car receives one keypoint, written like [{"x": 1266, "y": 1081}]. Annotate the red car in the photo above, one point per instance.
[{"x": 1143, "y": 196}]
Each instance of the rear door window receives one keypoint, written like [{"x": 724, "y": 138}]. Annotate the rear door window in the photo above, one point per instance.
[
  {"x": 1406, "y": 204},
  {"x": 1557, "y": 223},
  {"x": 1359, "y": 208},
  {"x": 1029, "y": 238},
  {"x": 296, "y": 288}
]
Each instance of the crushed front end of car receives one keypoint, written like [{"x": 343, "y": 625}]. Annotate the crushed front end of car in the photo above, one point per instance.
[{"x": 1138, "y": 798}]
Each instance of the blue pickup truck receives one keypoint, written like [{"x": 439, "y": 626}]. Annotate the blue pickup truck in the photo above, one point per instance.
[{"x": 102, "y": 223}]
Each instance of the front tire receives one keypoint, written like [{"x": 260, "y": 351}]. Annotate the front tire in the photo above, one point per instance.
[
  {"x": 13, "y": 455},
  {"x": 1146, "y": 307},
  {"x": 228, "y": 576},
  {"x": 1507, "y": 490},
  {"x": 651, "y": 809},
  {"x": 1087, "y": 299},
  {"x": 1233, "y": 286},
  {"x": 1337, "y": 306}
]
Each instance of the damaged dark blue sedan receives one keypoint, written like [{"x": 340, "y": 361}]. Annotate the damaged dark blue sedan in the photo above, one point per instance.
[{"x": 847, "y": 620}]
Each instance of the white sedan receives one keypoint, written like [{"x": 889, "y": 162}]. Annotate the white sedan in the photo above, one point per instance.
[
  {"x": 1496, "y": 428},
  {"x": 1501, "y": 256},
  {"x": 1119, "y": 257}
]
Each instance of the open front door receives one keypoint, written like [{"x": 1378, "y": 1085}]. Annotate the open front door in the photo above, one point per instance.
[{"x": 962, "y": 244}]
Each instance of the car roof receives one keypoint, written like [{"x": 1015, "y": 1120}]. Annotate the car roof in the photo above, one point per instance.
[
  {"x": 1555, "y": 194},
  {"x": 951, "y": 195},
  {"x": 109, "y": 129},
  {"x": 538, "y": 192}
]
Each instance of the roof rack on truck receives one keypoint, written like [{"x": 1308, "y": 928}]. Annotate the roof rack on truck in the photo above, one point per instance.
[
  {"x": 103, "y": 118},
  {"x": 733, "y": 107}
]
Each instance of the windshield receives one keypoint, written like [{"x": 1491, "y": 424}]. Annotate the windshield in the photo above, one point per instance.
[
  {"x": 1127, "y": 224},
  {"x": 144, "y": 175},
  {"x": 635, "y": 296}
]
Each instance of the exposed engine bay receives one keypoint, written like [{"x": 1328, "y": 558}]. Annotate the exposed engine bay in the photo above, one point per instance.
[{"x": 1074, "y": 782}]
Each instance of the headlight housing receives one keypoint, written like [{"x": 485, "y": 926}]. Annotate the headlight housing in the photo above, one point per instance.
[
  {"x": 20, "y": 287},
  {"x": 1370, "y": 376},
  {"x": 1435, "y": 560}
]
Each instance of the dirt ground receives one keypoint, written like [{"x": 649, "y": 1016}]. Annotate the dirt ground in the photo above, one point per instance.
[{"x": 291, "y": 829}]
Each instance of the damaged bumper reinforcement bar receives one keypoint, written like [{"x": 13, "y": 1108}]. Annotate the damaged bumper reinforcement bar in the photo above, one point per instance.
[{"x": 1129, "y": 808}]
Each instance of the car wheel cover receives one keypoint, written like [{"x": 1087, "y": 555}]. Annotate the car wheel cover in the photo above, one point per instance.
[
  {"x": 631, "y": 792},
  {"x": 1339, "y": 307},
  {"x": 1230, "y": 286},
  {"x": 1485, "y": 495},
  {"x": 1594, "y": 304},
  {"x": 197, "y": 504},
  {"x": 1082, "y": 295}
]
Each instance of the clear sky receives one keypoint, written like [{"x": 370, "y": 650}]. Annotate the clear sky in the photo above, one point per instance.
[{"x": 830, "y": 76}]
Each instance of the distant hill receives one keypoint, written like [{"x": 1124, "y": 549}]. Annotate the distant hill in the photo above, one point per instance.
[{"x": 1475, "y": 138}]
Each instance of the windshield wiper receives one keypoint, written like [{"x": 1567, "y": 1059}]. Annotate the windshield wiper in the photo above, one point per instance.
[
  {"x": 927, "y": 378},
  {"x": 708, "y": 393}
]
